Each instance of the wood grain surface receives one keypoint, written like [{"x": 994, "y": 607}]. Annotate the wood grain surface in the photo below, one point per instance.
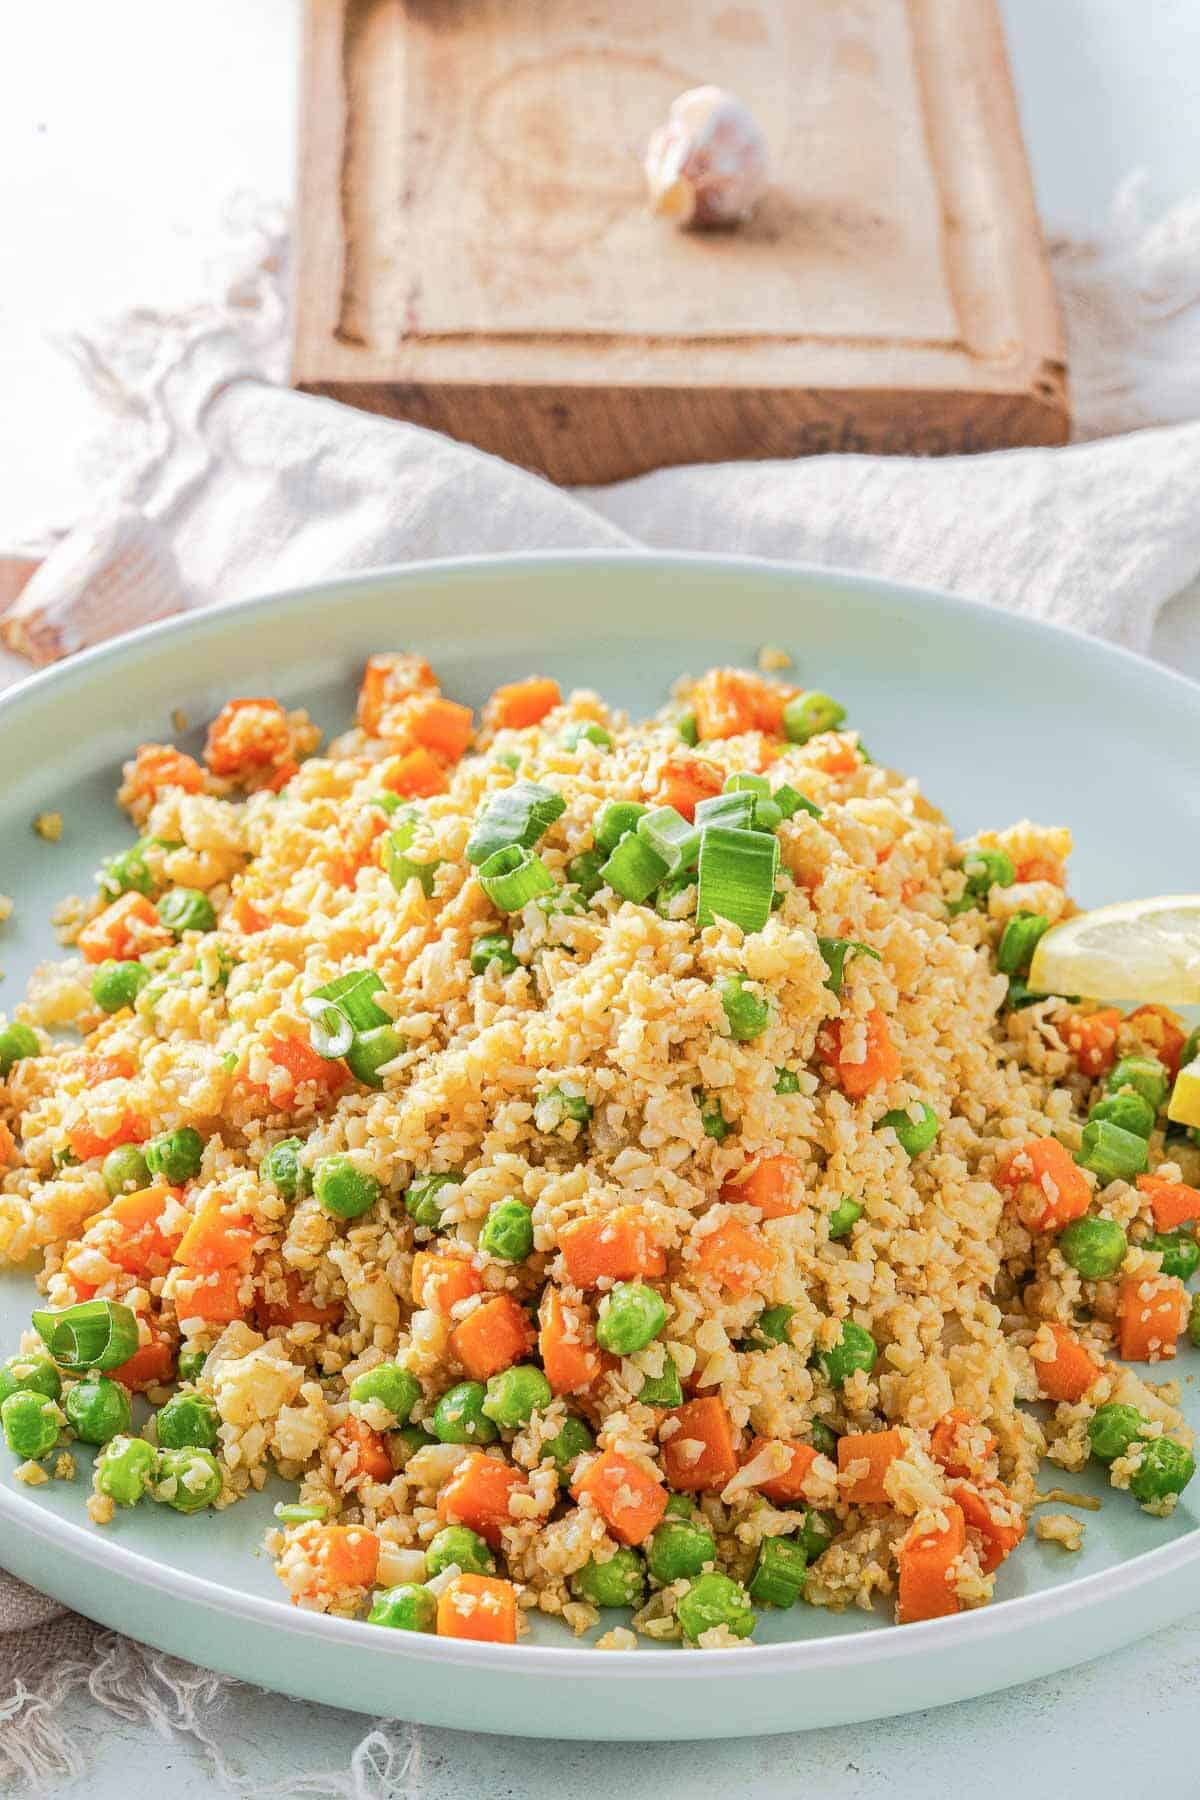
[{"x": 475, "y": 252}]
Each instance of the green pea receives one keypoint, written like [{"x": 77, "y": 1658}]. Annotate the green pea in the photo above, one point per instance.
[
  {"x": 186, "y": 909},
  {"x": 823, "y": 1438},
  {"x": 585, "y": 731},
  {"x": 390, "y": 1386},
  {"x": 186, "y": 1480},
  {"x": 1193, "y": 1329},
  {"x": 553, "y": 1108},
  {"x": 191, "y": 1363},
  {"x": 123, "y": 1469},
  {"x": 1018, "y": 941},
  {"x": 17, "y": 1041},
  {"x": 664, "y": 1389},
  {"x": 412, "y": 1438},
  {"x": 98, "y": 1409},
  {"x": 679, "y": 1549},
  {"x": 777, "y": 1578},
  {"x": 915, "y": 1135},
  {"x": 1096, "y": 1247},
  {"x": 1110, "y": 1153},
  {"x": 687, "y": 726},
  {"x": 1145, "y": 1075},
  {"x": 856, "y": 1349},
  {"x": 714, "y": 1600},
  {"x": 746, "y": 1012},
  {"x": 459, "y": 1418},
  {"x": 787, "y": 1081},
  {"x": 806, "y": 715},
  {"x": 680, "y": 1506},
  {"x": 1180, "y": 1253},
  {"x": 983, "y": 869},
  {"x": 583, "y": 872},
  {"x": 408, "y": 1607},
  {"x": 421, "y": 1200},
  {"x": 631, "y": 1315},
  {"x": 1112, "y": 1428},
  {"x": 844, "y": 1217},
  {"x": 507, "y": 1231},
  {"x": 118, "y": 984},
  {"x": 125, "y": 1170},
  {"x": 774, "y": 1325},
  {"x": 712, "y": 1119},
  {"x": 493, "y": 951},
  {"x": 281, "y": 1166},
  {"x": 186, "y": 1421},
  {"x": 127, "y": 872},
  {"x": 30, "y": 1372},
  {"x": 818, "y": 1531},
  {"x": 1166, "y": 1468},
  {"x": 175, "y": 1155},
  {"x": 570, "y": 1443},
  {"x": 457, "y": 1544},
  {"x": 31, "y": 1423},
  {"x": 342, "y": 1189},
  {"x": 621, "y": 1581},
  {"x": 1130, "y": 1111},
  {"x": 514, "y": 1395}
]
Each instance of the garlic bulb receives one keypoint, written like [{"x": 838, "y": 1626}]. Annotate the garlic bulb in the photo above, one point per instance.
[{"x": 708, "y": 164}]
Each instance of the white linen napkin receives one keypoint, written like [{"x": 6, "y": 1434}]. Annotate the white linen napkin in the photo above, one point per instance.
[{"x": 228, "y": 486}]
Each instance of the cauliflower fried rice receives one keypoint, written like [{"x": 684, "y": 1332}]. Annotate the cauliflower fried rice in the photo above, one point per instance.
[{"x": 599, "y": 1164}]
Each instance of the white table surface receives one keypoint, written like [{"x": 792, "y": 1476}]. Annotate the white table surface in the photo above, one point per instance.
[{"x": 124, "y": 130}]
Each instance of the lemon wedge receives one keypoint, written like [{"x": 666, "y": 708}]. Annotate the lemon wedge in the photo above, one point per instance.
[
  {"x": 1136, "y": 950},
  {"x": 1184, "y": 1107}
]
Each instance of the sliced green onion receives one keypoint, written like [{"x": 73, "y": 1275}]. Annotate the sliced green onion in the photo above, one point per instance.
[
  {"x": 687, "y": 727},
  {"x": 767, "y": 816},
  {"x": 745, "y": 783},
  {"x": 790, "y": 801},
  {"x": 736, "y": 810},
  {"x": 330, "y": 1031},
  {"x": 737, "y": 876},
  {"x": 512, "y": 877},
  {"x": 353, "y": 994},
  {"x": 634, "y": 870},
  {"x": 615, "y": 820},
  {"x": 373, "y": 1050},
  {"x": 97, "y": 1334},
  {"x": 836, "y": 951},
  {"x": 517, "y": 817},
  {"x": 585, "y": 731},
  {"x": 401, "y": 866},
  {"x": 1018, "y": 941},
  {"x": 583, "y": 872},
  {"x": 669, "y": 835},
  {"x": 669, "y": 889},
  {"x": 807, "y": 714},
  {"x": 290, "y": 1512}
]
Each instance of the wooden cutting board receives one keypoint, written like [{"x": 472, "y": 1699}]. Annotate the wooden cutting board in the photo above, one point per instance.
[{"x": 475, "y": 252}]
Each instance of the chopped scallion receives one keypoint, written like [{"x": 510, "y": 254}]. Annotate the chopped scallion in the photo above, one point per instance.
[
  {"x": 836, "y": 951},
  {"x": 737, "y": 876},
  {"x": 513, "y": 876},
  {"x": 669, "y": 835},
  {"x": 615, "y": 820},
  {"x": 517, "y": 816},
  {"x": 634, "y": 870}
]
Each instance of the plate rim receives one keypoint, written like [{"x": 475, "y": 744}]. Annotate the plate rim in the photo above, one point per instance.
[{"x": 875, "y": 1648}]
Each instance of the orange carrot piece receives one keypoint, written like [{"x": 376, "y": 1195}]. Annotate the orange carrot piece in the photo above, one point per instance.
[
  {"x": 346, "y": 1555},
  {"x": 735, "y": 1256},
  {"x": 8, "y": 1146},
  {"x": 1041, "y": 868},
  {"x": 479, "y": 1607},
  {"x": 122, "y": 931},
  {"x": 522, "y": 703},
  {"x": 150, "y": 1365},
  {"x": 990, "y": 1509},
  {"x": 86, "y": 1143},
  {"x": 617, "y": 1243},
  {"x": 247, "y": 734},
  {"x": 926, "y": 1571},
  {"x": 774, "y": 1184},
  {"x": 841, "y": 758},
  {"x": 387, "y": 679},
  {"x": 1070, "y": 1372},
  {"x": 1171, "y": 1202},
  {"x": 959, "y": 1442},
  {"x": 108, "y": 1068},
  {"x": 370, "y": 1448},
  {"x": 216, "y": 1238},
  {"x": 478, "y": 1494},
  {"x": 159, "y": 766},
  {"x": 216, "y": 1298},
  {"x": 700, "y": 1456},
  {"x": 417, "y": 774},
  {"x": 880, "y": 1065},
  {"x": 296, "y": 1308},
  {"x": 567, "y": 1343},
  {"x": 783, "y": 1489},
  {"x": 1047, "y": 1186},
  {"x": 1092, "y": 1039},
  {"x": 1160, "y": 1034},
  {"x": 440, "y": 1282},
  {"x": 247, "y": 916},
  {"x": 493, "y": 1337},
  {"x": 129, "y": 1231},
  {"x": 728, "y": 702},
  {"x": 629, "y": 1499},
  {"x": 1152, "y": 1310},
  {"x": 684, "y": 782},
  {"x": 442, "y": 726},
  {"x": 303, "y": 1064},
  {"x": 879, "y": 1450}
]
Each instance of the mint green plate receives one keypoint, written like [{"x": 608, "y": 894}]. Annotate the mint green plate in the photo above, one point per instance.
[{"x": 1001, "y": 718}]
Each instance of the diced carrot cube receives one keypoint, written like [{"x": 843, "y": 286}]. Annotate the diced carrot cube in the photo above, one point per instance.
[
  {"x": 151, "y": 1364},
  {"x": 879, "y": 1065},
  {"x": 1152, "y": 1310},
  {"x": 1160, "y": 1034},
  {"x": 629, "y": 1499},
  {"x": 216, "y": 1298},
  {"x": 1047, "y": 1186},
  {"x": 1070, "y": 1372},
  {"x": 734, "y": 1256},
  {"x": 479, "y": 1607},
  {"x": 774, "y": 1184},
  {"x": 442, "y": 726},
  {"x": 684, "y": 782},
  {"x": 388, "y": 679},
  {"x": 698, "y": 1451},
  {"x": 729, "y": 702},
  {"x": 990, "y": 1510},
  {"x": 878, "y": 1450},
  {"x": 159, "y": 766},
  {"x": 440, "y": 1282},
  {"x": 523, "y": 703},
  {"x": 297, "y": 1307},
  {"x": 1171, "y": 1202},
  {"x": 492, "y": 1337},
  {"x": 347, "y": 1556},
  {"x": 960, "y": 1443},
  {"x": 1040, "y": 868},
  {"x": 1092, "y": 1039},
  {"x": 217, "y": 1237},
  {"x": 567, "y": 1343},
  {"x": 370, "y": 1448},
  {"x": 788, "y": 1486},
  {"x": 124, "y": 931},
  {"x": 617, "y": 1243},
  {"x": 247, "y": 734},
  {"x": 925, "y": 1566},
  {"x": 86, "y": 1143},
  {"x": 417, "y": 774},
  {"x": 478, "y": 1494}
]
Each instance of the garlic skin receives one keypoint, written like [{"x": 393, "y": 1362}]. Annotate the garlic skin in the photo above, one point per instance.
[{"x": 707, "y": 166}]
